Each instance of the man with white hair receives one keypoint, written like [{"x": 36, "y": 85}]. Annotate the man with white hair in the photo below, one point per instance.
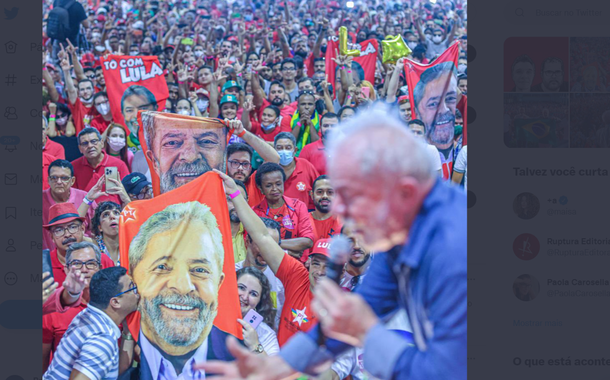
[
  {"x": 176, "y": 260},
  {"x": 419, "y": 224}
]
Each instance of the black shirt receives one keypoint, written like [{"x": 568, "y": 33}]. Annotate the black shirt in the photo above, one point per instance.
[{"x": 77, "y": 15}]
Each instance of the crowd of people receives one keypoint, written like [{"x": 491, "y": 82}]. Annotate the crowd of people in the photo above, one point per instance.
[{"x": 261, "y": 68}]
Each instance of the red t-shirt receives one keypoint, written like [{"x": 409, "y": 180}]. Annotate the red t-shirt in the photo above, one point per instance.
[
  {"x": 292, "y": 216},
  {"x": 316, "y": 155},
  {"x": 258, "y": 131},
  {"x": 54, "y": 149},
  {"x": 47, "y": 159},
  {"x": 286, "y": 114},
  {"x": 87, "y": 176},
  {"x": 59, "y": 273},
  {"x": 100, "y": 124},
  {"x": 298, "y": 185},
  {"x": 323, "y": 229},
  {"x": 296, "y": 313},
  {"x": 81, "y": 115},
  {"x": 54, "y": 325}
]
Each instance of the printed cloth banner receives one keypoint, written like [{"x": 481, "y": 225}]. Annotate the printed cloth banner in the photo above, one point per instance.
[
  {"x": 180, "y": 148},
  {"x": 434, "y": 98},
  {"x": 178, "y": 249},
  {"x": 365, "y": 63},
  {"x": 132, "y": 84}
]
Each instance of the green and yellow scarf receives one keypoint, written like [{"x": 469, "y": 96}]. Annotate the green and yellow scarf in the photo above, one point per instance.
[{"x": 304, "y": 137}]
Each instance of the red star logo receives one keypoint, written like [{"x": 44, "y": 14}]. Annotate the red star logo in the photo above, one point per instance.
[
  {"x": 129, "y": 213},
  {"x": 301, "y": 186}
]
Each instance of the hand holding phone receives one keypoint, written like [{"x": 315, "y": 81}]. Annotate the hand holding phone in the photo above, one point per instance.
[
  {"x": 111, "y": 172},
  {"x": 253, "y": 318}
]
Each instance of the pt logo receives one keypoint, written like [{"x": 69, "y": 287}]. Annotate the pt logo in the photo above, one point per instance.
[
  {"x": 301, "y": 186},
  {"x": 300, "y": 316},
  {"x": 128, "y": 214}
]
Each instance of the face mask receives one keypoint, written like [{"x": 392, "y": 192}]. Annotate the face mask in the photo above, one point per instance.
[
  {"x": 437, "y": 39},
  {"x": 102, "y": 108},
  {"x": 412, "y": 45},
  {"x": 61, "y": 121},
  {"x": 202, "y": 105},
  {"x": 462, "y": 68},
  {"x": 86, "y": 101},
  {"x": 116, "y": 143},
  {"x": 269, "y": 127},
  {"x": 286, "y": 157},
  {"x": 184, "y": 112},
  {"x": 198, "y": 54}
]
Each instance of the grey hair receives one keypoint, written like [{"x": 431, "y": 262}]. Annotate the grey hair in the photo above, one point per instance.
[
  {"x": 285, "y": 135},
  {"x": 168, "y": 219},
  {"x": 381, "y": 143},
  {"x": 87, "y": 131},
  {"x": 83, "y": 245},
  {"x": 429, "y": 75}
]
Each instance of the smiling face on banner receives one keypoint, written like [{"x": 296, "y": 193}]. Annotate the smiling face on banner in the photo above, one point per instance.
[
  {"x": 177, "y": 261},
  {"x": 182, "y": 148}
]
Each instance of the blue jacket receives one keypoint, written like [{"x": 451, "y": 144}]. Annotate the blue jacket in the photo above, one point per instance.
[{"x": 427, "y": 277}]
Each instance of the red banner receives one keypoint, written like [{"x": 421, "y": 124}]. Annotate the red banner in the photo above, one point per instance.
[
  {"x": 366, "y": 62},
  {"x": 434, "y": 98},
  {"x": 134, "y": 83},
  {"x": 178, "y": 249}
]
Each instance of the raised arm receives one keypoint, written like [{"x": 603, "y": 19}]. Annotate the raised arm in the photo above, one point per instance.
[
  {"x": 272, "y": 253},
  {"x": 70, "y": 88},
  {"x": 266, "y": 151},
  {"x": 258, "y": 93}
]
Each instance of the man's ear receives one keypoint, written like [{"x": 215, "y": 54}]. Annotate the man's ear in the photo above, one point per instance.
[{"x": 151, "y": 158}]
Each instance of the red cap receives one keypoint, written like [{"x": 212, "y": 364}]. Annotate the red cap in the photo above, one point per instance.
[
  {"x": 101, "y": 18},
  {"x": 321, "y": 247},
  {"x": 61, "y": 213}
]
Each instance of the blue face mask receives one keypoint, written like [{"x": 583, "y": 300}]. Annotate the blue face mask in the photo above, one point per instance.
[
  {"x": 286, "y": 157},
  {"x": 269, "y": 127}
]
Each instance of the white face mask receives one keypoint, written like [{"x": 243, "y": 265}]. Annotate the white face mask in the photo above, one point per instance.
[
  {"x": 412, "y": 45},
  {"x": 198, "y": 53},
  {"x": 116, "y": 143},
  {"x": 103, "y": 108},
  {"x": 202, "y": 105},
  {"x": 184, "y": 112},
  {"x": 437, "y": 39}
]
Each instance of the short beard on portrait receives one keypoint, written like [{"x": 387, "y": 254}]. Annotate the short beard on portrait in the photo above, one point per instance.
[
  {"x": 446, "y": 136},
  {"x": 181, "y": 332},
  {"x": 168, "y": 181}
]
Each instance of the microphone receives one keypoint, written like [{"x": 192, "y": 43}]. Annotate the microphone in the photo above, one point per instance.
[{"x": 340, "y": 249}]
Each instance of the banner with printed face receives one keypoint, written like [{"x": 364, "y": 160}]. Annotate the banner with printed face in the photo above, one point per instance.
[
  {"x": 180, "y": 148},
  {"x": 178, "y": 249},
  {"x": 363, "y": 66},
  {"x": 132, "y": 84},
  {"x": 433, "y": 94}
]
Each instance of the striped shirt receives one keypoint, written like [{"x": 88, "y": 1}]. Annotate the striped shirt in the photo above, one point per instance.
[{"x": 89, "y": 346}]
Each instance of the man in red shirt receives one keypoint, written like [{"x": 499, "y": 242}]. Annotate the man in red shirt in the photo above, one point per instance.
[
  {"x": 298, "y": 282},
  {"x": 87, "y": 258},
  {"x": 89, "y": 168},
  {"x": 239, "y": 159},
  {"x": 300, "y": 173},
  {"x": 66, "y": 228},
  {"x": 277, "y": 95},
  {"x": 314, "y": 152},
  {"x": 102, "y": 106},
  {"x": 296, "y": 232},
  {"x": 80, "y": 99},
  {"x": 325, "y": 225}
]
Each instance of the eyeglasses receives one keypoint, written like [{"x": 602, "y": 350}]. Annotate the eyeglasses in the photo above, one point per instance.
[
  {"x": 236, "y": 164},
  {"x": 289, "y": 69},
  {"x": 93, "y": 142},
  {"x": 61, "y": 231},
  {"x": 132, "y": 286},
  {"x": 62, "y": 178},
  {"x": 77, "y": 264}
]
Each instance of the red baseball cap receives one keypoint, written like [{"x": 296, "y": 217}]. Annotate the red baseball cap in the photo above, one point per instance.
[
  {"x": 61, "y": 213},
  {"x": 321, "y": 247}
]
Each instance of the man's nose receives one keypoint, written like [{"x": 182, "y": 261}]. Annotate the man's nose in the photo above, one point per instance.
[
  {"x": 180, "y": 281},
  {"x": 189, "y": 151}
]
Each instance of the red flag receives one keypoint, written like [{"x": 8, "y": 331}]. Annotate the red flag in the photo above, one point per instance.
[
  {"x": 178, "y": 249},
  {"x": 366, "y": 61},
  {"x": 433, "y": 97},
  {"x": 144, "y": 78}
]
